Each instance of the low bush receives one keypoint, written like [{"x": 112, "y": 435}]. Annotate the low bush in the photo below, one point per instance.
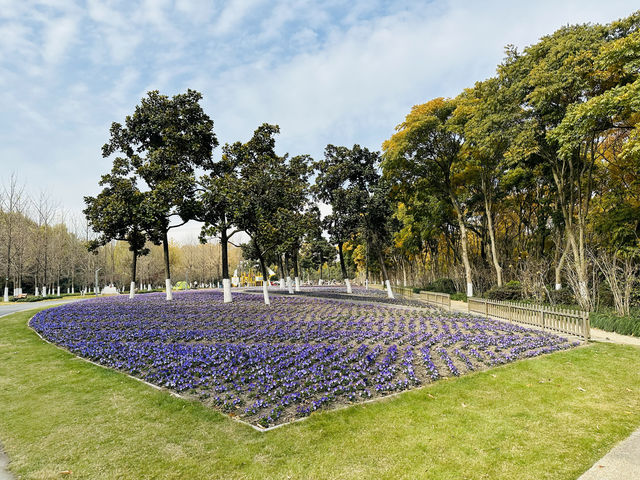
[
  {"x": 33, "y": 298},
  {"x": 442, "y": 285},
  {"x": 564, "y": 296},
  {"x": 460, "y": 297},
  {"x": 510, "y": 291},
  {"x": 609, "y": 321}
]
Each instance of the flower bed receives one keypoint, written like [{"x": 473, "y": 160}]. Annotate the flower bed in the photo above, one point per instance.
[
  {"x": 271, "y": 364},
  {"x": 339, "y": 292}
]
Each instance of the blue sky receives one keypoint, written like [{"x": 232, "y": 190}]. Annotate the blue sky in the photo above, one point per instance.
[{"x": 326, "y": 72}]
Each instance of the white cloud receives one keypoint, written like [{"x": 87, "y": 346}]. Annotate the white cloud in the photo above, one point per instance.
[
  {"x": 326, "y": 72},
  {"x": 232, "y": 14},
  {"x": 58, "y": 36}
]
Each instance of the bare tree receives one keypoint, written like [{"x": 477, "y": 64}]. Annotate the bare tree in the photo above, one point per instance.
[{"x": 12, "y": 206}]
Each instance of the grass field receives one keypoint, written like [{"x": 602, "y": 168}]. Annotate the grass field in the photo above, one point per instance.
[{"x": 547, "y": 417}]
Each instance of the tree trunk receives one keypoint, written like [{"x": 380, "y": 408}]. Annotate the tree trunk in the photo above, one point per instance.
[
  {"x": 167, "y": 268},
  {"x": 343, "y": 268},
  {"x": 385, "y": 276},
  {"x": 280, "y": 272},
  {"x": 263, "y": 267},
  {"x": 560, "y": 265},
  {"x": 492, "y": 238},
  {"x": 134, "y": 262},
  {"x": 226, "y": 279},
  {"x": 287, "y": 274},
  {"x": 296, "y": 269},
  {"x": 464, "y": 243}
]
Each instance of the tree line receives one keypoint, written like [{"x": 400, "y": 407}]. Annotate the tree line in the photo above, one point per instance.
[
  {"x": 531, "y": 174},
  {"x": 164, "y": 175},
  {"x": 43, "y": 252},
  {"x": 529, "y": 177}
]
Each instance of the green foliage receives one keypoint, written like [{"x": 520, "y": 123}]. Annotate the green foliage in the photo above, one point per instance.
[
  {"x": 510, "y": 291},
  {"x": 163, "y": 143},
  {"x": 442, "y": 285},
  {"x": 609, "y": 321},
  {"x": 344, "y": 180},
  {"x": 459, "y": 297},
  {"x": 564, "y": 296}
]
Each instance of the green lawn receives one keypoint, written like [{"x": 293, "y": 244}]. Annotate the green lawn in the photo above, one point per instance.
[{"x": 549, "y": 417}]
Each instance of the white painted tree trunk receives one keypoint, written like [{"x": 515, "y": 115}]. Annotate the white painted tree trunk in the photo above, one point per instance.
[
  {"x": 226, "y": 290},
  {"x": 44, "y": 291},
  {"x": 168, "y": 289},
  {"x": 73, "y": 289},
  {"x": 319, "y": 281},
  {"x": 148, "y": 286},
  {"x": 132, "y": 289},
  {"x": 389, "y": 291},
  {"x": 289, "y": 285},
  {"x": 37, "y": 292},
  {"x": 58, "y": 291},
  {"x": 558, "y": 286},
  {"x": 297, "y": 284},
  {"x": 348, "y": 282},
  {"x": 282, "y": 284},
  {"x": 265, "y": 292},
  {"x": 366, "y": 284},
  {"x": 469, "y": 289},
  {"x": 6, "y": 294}
]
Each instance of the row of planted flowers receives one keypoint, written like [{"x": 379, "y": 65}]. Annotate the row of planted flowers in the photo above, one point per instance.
[{"x": 270, "y": 364}]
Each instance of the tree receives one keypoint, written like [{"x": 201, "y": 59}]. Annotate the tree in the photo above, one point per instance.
[
  {"x": 344, "y": 176},
  {"x": 254, "y": 197},
  {"x": 163, "y": 142},
  {"x": 378, "y": 220},
  {"x": 117, "y": 213},
  {"x": 12, "y": 205},
  {"x": 216, "y": 188},
  {"x": 424, "y": 154}
]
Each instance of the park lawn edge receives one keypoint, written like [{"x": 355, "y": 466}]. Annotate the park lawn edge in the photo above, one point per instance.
[{"x": 59, "y": 414}]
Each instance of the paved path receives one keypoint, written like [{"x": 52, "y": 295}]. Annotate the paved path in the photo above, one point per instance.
[
  {"x": 621, "y": 463},
  {"x": 13, "y": 307},
  {"x": 4, "y": 461}
]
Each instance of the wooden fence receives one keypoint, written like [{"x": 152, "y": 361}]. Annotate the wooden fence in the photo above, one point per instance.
[
  {"x": 562, "y": 320},
  {"x": 442, "y": 300}
]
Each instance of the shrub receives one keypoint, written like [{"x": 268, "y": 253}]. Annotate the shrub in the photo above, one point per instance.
[
  {"x": 510, "y": 291},
  {"x": 442, "y": 285},
  {"x": 564, "y": 296},
  {"x": 460, "y": 297},
  {"x": 613, "y": 323}
]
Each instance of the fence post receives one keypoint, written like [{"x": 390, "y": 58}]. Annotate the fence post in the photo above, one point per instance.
[
  {"x": 486, "y": 308},
  {"x": 586, "y": 328},
  {"x": 542, "y": 316}
]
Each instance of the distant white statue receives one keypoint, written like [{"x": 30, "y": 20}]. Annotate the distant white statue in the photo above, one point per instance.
[{"x": 109, "y": 290}]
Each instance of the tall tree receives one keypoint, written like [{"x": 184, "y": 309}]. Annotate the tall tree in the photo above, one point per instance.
[
  {"x": 424, "y": 154},
  {"x": 343, "y": 179},
  {"x": 216, "y": 188},
  {"x": 163, "y": 142},
  {"x": 117, "y": 213},
  {"x": 255, "y": 197},
  {"x": 12, "y": 205}
]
